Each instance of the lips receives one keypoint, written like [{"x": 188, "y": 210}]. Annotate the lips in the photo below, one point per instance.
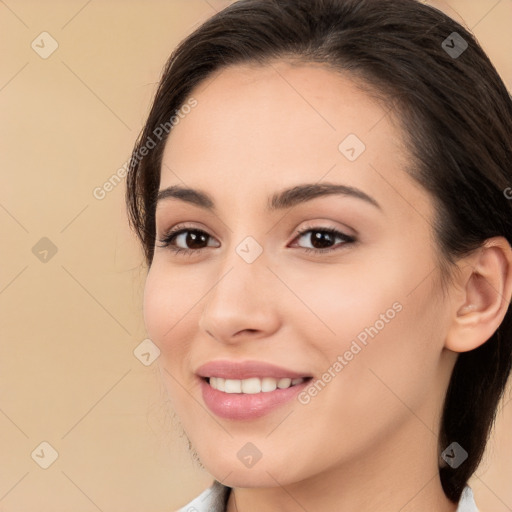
[
  {"x": 245, "y": 370},
  {"x": 240, "y": 402}
]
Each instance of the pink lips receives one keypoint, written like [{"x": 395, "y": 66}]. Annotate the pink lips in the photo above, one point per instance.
[
  {"x": 241, "y": 406},
  {"x": 245, "y": 370}
]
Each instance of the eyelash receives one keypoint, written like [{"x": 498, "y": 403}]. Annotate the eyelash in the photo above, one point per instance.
[{"x": 169, "y": 237}]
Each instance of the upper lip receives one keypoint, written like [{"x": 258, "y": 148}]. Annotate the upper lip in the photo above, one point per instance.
[{"x": 240, "y": 370}]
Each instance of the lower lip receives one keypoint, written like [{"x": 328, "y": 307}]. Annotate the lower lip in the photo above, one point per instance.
[{"x": 242, "y": 406}]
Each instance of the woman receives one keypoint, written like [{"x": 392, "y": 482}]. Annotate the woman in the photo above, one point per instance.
[{"x": 320, "y": 192}]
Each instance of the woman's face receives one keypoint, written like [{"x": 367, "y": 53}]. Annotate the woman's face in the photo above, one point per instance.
[{"x": 362, "y": 317}]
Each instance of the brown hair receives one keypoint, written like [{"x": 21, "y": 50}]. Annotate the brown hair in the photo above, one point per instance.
[{"x": 457, "y": 119}]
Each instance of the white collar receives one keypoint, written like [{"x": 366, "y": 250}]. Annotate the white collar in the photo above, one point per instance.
[
  {"x": 215, "y": 498},
  {"x": 467, "y": 501}
]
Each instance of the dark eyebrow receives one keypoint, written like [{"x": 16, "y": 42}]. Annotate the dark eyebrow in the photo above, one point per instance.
[{"x": 279, "y": 201}]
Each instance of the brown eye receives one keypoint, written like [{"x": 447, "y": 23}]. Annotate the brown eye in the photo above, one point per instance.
[
  {"x": 322, "y": 239},
  {"x": 193, "y": 239}
]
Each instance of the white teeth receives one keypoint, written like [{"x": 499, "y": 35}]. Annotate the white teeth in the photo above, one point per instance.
[
  {"x": 232, "y": 386},
  {"x": 284, "y": 383},
  {"x": 252, "y": 385},
  {"x": 268, "y": 384}
]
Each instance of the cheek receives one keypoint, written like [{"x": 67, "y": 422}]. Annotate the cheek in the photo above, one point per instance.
[
  {"x": 166, "y": 316},
  {"x": 398, "y": 342},
  {"x": 384, "y": 336},
  {"x": 382, "y": 317},
  {"x": 162, "y": 308},
  {"x": 342, "y": 303}
]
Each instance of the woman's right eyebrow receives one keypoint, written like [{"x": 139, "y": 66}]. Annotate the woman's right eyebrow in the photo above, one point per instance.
[{"x": 282, "y": 200}]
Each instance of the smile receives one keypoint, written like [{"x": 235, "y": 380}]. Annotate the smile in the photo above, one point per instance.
[{"x": 253, "y": 385}]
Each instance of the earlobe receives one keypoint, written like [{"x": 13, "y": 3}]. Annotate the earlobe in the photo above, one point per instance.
[{"x": 486, "y": 284}]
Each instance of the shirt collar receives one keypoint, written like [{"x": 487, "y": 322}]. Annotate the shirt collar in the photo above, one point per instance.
[{"x": 215, "y": 499}]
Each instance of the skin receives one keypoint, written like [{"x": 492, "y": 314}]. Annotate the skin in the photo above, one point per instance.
[{"x": 368, "y": 440}]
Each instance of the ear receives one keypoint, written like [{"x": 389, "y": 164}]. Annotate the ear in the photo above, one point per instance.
[{"x": 483, "y": 295}]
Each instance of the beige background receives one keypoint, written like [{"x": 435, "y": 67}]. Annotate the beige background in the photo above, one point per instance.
[{"x": 69, "y": 325}]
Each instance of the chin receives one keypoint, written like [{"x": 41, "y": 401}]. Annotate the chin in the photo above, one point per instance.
[{"x": 234, "y": 473}]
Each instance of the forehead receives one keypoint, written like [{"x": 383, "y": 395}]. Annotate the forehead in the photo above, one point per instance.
[
  {"x": 264, "y": 127},
  {"x": 303, "y": 108}
]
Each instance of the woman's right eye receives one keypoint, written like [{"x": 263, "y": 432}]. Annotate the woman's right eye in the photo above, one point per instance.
[{"x": 188, "y": 237}]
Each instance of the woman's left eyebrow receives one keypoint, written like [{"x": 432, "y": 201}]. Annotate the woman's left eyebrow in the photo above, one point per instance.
[{"x": 282, "y": 200}]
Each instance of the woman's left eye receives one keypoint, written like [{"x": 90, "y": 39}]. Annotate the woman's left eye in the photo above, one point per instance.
[
  {"x": 189, "y": 236},
  {"x": 325, "y": 236}
]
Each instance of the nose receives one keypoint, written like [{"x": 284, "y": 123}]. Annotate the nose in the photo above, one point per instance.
[{"x": 243, "y": 302}]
